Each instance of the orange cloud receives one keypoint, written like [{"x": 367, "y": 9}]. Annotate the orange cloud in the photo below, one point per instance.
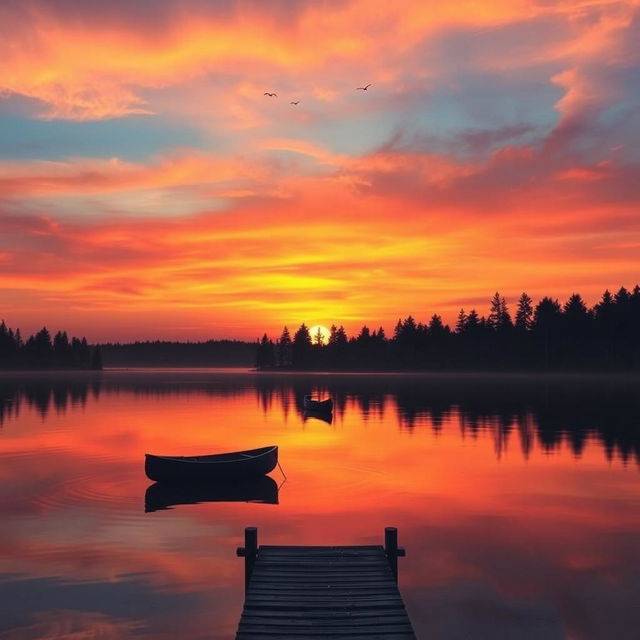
[{"x": 84, "y": 175}]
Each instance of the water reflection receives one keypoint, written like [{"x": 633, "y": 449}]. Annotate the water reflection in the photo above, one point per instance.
[
  {"x": 44, "y": 393},
  {"x": 545, "y": 411},
  {"x": 159, "y": 496},
  {"x": 323, "y": 416},
  {"x": 514, "y": 498}
]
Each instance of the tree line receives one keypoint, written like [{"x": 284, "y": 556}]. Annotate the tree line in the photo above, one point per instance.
[
  {"x": 545, "y": 336},
  {"x": 162, "y": 353},
  {"x": 40, "y": 351}
]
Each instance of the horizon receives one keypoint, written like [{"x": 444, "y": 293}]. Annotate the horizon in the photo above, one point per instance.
[
  {"x": 151, "y": 188},
  {"x": 312, "y": 329}
]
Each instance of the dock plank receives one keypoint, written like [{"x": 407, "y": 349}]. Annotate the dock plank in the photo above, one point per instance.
[{"x": 309, "y": 593}]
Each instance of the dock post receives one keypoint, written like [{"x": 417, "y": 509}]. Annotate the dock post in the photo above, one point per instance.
[
  {"x": 392, "y": 550},
  {"x": 249, "y": 553}
]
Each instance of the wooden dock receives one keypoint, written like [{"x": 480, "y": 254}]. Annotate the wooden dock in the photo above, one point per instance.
[{"x": 299, "y": 592}]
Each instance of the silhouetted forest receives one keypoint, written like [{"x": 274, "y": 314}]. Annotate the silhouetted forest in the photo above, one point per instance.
[
  {"x": 547, "y": 336},
  {"x": 39, "y": 351},
  {"x": 213, "y": 353}
]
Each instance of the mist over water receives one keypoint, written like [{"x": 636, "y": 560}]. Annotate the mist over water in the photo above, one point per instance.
[{"x": 516, "y": 497}]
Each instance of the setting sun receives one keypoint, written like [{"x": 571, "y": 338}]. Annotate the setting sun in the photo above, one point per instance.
[{"x": 319, "y": 334}]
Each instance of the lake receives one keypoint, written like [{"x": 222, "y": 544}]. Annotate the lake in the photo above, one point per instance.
[{"x": 516, "y": 497}]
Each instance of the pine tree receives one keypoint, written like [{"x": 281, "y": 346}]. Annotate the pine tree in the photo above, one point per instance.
[
  {"x": 472, "y": 324},
  {"x": 499, "y": 318},
  {"x": 495, "y": 313},
  {"x": 546, "y": 314},
  {"x": 622, "y": 296},
  {"x": 42, "y": 348},
  {"x": 265, "y": 353},
  {"x": 7, "y": 344},
  {"x": 341, "y": 336},
  {"x": 505, "y": 317},
  {"x": 284, "y": 349},
  {"x": 524, "y": 314},
  {"x": 605, "y": 318},
  {"x": 461, "y": 322},
  {"x": 547, "y": 317},
  {"x": 397, "y": 330},
  {"x": 62, "y": 349},
  {"x": 85, "y": 353},
  {"x": 575, "y": 308},
  {"x": 96, "y": 359},
  {"x": 302, "y": 347},
  {"x": 436, "y": 326}
]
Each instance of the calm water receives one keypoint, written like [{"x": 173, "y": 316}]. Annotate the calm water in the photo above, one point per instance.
[{"x": 517, "y": 499}]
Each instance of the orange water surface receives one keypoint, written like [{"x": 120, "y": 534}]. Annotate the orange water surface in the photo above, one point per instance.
[{"x": 517, "y": 498}]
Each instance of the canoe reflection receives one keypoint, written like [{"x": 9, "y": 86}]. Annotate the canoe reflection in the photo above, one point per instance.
[
  {"x": 162, "y": 495},
  {"x": 318, "y": 415}
]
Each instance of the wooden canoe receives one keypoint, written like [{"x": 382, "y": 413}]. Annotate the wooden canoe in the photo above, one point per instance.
[
  {"x": 164, "y": 495},
  {"x": 320, "y": 406},
  {"x": 237, "y": 465}
]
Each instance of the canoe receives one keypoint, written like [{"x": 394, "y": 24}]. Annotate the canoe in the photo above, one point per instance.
[
  {"x": 164, "y": 495},
  {"x": 236, "y": 465},
  {"x": 322, "y": 406}
]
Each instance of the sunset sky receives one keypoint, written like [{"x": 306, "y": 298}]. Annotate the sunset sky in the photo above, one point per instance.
[{"x": 148, "y": 188}]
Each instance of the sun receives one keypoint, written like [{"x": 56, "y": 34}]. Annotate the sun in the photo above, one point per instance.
[{"x": 324, "y": 334}]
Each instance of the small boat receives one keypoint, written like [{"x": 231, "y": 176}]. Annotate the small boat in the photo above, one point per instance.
[
  {"x": 237, "y": 465},
  {"x": 319, "y": 406},
  {"x": 163, "y": 495}
]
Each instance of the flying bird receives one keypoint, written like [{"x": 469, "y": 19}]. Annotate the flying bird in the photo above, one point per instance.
[
  {"x": 271, "y": 95},
  {"x": 363, "y": 88},
  {"x": 297, "y": 102}
]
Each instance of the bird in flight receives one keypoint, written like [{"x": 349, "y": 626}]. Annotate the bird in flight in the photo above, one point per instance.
[
  {"x": 363, "y": 88},
  {"x": 297, "y": 102},
  {"x": 271, "y": 95}
]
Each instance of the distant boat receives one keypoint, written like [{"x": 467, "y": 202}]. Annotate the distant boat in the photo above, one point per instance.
[
  {"x": 163, "y": 495},
  {"x": 319, "y": 406},
  {"x": 237, "y": 465}
]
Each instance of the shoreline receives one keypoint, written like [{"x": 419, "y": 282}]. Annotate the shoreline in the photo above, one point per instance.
[{"x": 461, "y": 375}]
